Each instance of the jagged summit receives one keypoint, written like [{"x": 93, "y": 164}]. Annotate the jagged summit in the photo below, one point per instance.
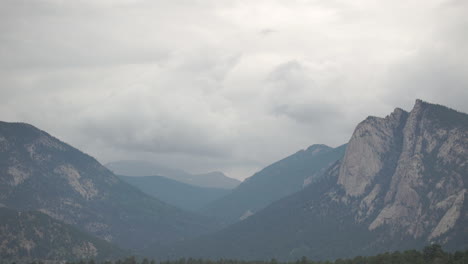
[
  {"x": 396, "y": 114},
  {"x": 398, "y": 111},
  {"x": 409, "y": 172},
  {"x": 401, "y": 184},
  {"x": 419, "y": 106},
  {"x": 370, "y": 140}
]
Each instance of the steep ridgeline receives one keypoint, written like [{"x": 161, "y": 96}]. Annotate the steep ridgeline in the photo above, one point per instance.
[
  {"x": 276, "y": 181},
  {"x": 28, "y": 236},
  {"x": 401, "y": 184},
  {"x": 185, "y": 196},
  {"x": 137, "y": 168},
  {"x": 39, "y": 172}
]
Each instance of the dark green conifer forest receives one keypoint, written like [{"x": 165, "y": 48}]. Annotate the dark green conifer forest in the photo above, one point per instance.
[{"x": 433, "y": 254}]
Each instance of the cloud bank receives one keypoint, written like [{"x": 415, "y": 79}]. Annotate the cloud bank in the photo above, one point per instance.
[{"x": 224, "y": 85}]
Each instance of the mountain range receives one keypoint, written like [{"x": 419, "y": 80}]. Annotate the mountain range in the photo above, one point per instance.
[
  {"x": 274, "y": 182},
  {"x": 40, "y": 173},
  {"x": 185, "y": 196},
  {"x": 399, "y": 183},
  {"x": 138, "y": 168}
]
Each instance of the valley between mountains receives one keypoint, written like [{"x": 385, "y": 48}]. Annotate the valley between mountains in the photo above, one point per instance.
[{"x": 399, "y": 183}]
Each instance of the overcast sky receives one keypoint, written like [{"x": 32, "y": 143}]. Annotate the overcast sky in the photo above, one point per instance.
[{"x": 224, "y": 85}]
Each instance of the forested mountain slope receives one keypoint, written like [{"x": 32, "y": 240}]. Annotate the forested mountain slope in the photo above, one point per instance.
[
  {"x": 401, "y": 184},
  {"x": 185, "y": 196},
  {"x": 39, "y": 172},
  {"x": 36, "y": 236},
  {"x": 274, "y": 182}
]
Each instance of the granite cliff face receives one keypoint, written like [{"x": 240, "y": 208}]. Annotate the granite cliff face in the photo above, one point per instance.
[
  {"x": 408, "y": 172},
  {"x": 402, "y": 184},
  {"x": 40, "y": 173},
  {"x": 372, "y": 140}
]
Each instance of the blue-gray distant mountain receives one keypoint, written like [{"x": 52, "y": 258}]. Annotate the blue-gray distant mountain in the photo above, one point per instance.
[
  {"x": 402, "y": 184},
  {"x": 215, "y": 179},
  {"x": 274, "y": 182},
  {"x": 34, "y": 236},
  {"x": 185, "y": 196},
  {"x": 40, "y": 173}
]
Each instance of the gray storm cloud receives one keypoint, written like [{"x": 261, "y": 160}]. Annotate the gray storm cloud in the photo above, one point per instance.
[{"x": 224, "y": 85}]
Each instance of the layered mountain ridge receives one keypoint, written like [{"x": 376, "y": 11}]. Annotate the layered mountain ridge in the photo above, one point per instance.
[
  {"x": 274, "y": 182},
  {"x": 40, "y": 173},
  {"x": 401, "y": 184},
  {"x": 184, "y": 196},
  {"x": 138, "y": 168}
]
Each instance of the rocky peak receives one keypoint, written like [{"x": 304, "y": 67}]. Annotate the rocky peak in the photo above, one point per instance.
[
  {"x": 41, "y": 173},
  {"x": 28, "y": 151},
  {"x": 419, "y": 104},
  {"x": 397, "y": 114},
  {"x": 371, "y": 140},
  {"x": 408, "y": 171},
  {"x": 402, "y": 184}
]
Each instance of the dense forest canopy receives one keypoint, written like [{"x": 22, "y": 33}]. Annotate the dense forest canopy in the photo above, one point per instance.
[{"x": 433, "y": 254}]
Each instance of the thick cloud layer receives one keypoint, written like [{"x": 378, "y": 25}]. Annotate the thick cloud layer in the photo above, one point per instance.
[{"x": 224, "y": 85}]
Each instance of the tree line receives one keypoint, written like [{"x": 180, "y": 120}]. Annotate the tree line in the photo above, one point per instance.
[{"x": 433, "y": 254}]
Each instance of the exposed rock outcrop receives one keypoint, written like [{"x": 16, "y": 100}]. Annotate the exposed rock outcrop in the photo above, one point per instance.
[
  {"x": 368, "y": 149},
  {"x": 416, "y": 165},
  {"x": 28, "y": 236},
  {"x": 41, "y": 173},
  {"x": 402, "y": 184},
  {"x": 405, "y": 164}
]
